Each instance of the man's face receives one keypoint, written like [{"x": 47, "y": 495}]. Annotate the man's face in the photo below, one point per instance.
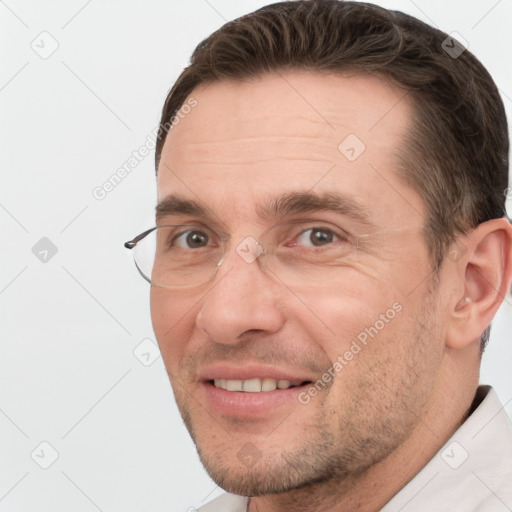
[{"x": 363, "y": 346}]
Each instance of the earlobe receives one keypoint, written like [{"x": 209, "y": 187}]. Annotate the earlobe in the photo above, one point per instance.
[{"x": 485, "y": 274}]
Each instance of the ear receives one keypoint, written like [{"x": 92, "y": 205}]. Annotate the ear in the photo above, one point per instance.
[{"x": 483, "y": 270}]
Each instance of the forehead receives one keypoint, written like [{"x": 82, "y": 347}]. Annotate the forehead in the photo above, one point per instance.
[{"x": 293, "y": 131}]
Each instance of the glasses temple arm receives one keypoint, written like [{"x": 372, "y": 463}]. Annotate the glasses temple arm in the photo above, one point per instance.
[{"x": 132, "y": 243}]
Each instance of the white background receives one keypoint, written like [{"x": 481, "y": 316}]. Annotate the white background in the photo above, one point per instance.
[{"x": 68, "y": 375}]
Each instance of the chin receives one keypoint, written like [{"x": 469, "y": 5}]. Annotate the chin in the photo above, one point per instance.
[{"x": 241, "y": 468}]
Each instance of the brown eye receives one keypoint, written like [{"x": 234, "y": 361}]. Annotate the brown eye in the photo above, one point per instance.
[
  {"x": 316, "y": 237},
  {"x": 192, "y": 239}
]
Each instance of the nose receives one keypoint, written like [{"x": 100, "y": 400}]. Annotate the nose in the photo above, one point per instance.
[{"x": 242, "y": 299}]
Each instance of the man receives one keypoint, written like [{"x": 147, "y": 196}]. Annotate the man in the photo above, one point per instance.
[{"x": 332, "y": 246}]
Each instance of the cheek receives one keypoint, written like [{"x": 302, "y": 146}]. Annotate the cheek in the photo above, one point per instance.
[
  {"x": 366, "y": 330},
  {"x": 172, "y": 319},
  {"x": 344, "y": 314}
]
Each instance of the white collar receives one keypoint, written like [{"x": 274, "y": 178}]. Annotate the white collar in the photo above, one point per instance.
[{"x": 472, "y": 471}]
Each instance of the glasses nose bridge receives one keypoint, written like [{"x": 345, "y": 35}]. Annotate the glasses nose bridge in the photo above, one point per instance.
[{"x": 249, "y": 249}]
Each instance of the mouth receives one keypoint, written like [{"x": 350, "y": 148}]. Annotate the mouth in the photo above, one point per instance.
[
  {"x": 250, "y": 390},
  {"x": 251, "y": 397}
]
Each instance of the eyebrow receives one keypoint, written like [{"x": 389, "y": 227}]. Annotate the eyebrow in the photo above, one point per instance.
[{"x": 290, "y": 203}]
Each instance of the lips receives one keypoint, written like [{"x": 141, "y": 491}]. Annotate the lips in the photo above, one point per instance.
[{"x": 250, "y": 390}]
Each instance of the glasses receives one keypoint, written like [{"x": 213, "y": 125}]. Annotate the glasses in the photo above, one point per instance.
[{"x": 184, "y": 256}]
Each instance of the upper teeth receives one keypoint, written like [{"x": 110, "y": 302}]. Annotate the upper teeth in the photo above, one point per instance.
[{"x": 253, "y": 385}]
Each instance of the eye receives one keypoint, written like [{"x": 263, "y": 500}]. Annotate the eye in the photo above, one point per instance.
[
  {"x": 191, "y": 239},
  {"x": 316, "y": 237}
]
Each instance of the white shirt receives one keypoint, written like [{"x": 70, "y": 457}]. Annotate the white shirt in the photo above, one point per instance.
[{"x": 471, "y": 473}]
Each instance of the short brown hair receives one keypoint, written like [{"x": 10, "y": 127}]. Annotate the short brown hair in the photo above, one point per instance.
[{"x": 456, "y": 154}]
